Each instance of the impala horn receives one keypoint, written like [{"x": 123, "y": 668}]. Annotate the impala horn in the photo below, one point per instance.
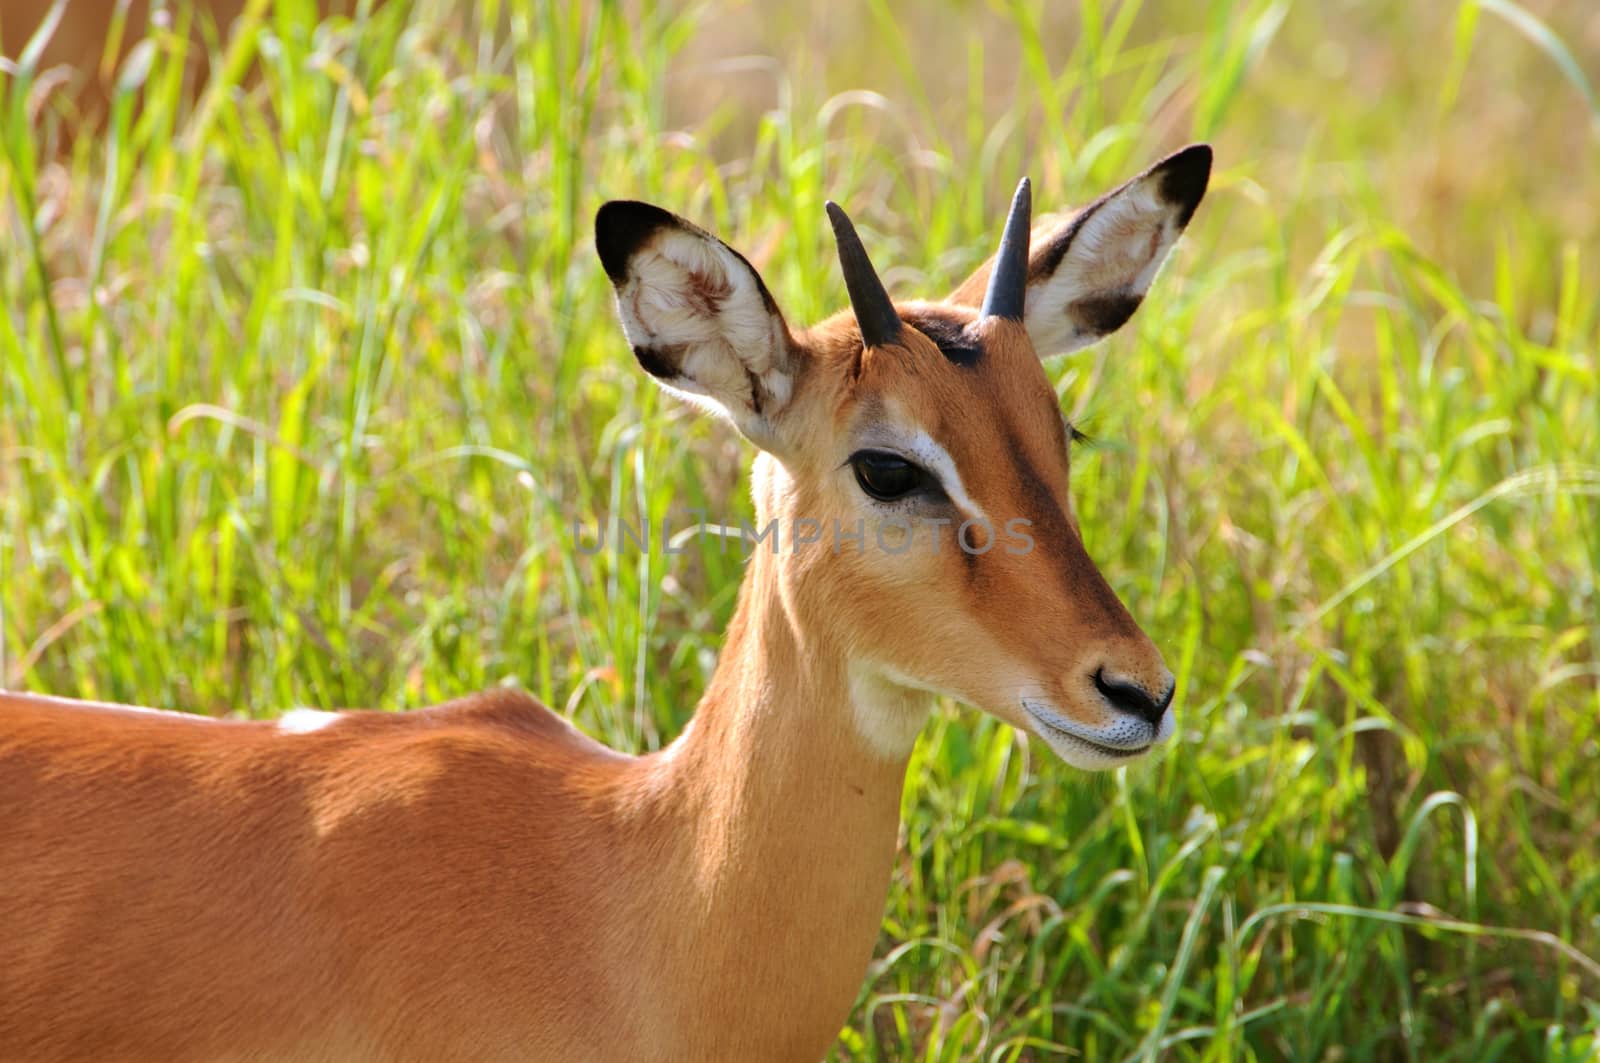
[
  {"x": 874, "y": 312},
  {"x": 1008, "y": 284}
]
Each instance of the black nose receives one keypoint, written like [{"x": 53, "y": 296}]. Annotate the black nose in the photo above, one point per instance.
[{"x": 1132, "y": 698}]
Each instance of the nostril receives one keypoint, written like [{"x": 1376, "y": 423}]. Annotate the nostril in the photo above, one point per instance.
[{"x": 1132, "y": 698}]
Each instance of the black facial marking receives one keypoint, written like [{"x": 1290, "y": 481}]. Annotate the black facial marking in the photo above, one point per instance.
[
  {"x": 1103, "y": 314},
  {"x": 656, "y": 361},
  {"x": 949, "y": 334},
  {"x": 1047, "y": 520},
  {"x": 1183, "y": 179},
  {"x": 1058, "y": 545},
  {"x": 971, "y": 570},
  {"x": 1043, "y": 507}
]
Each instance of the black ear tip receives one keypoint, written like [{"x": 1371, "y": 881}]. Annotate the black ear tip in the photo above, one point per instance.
[
  {"x": 621, "y": 227},
  {"x": 1184, "y": 177},
  {"x": 1195, "y": 158}
]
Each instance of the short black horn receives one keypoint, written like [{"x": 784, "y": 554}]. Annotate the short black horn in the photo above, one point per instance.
[
  {"x": 1008, "y": 284},
  {"x": 874, "y": 312}
]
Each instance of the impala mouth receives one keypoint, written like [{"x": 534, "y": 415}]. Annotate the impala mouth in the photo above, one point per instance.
[{"x": 1065, "y": 735}]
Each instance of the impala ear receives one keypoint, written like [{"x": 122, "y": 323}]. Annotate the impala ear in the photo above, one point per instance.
[
  {"x": 698, "y": 316},
  {"x": 1089, "y": 271}
]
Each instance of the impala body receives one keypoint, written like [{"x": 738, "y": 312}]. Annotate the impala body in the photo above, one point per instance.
[{"x": 480, "y": 881}]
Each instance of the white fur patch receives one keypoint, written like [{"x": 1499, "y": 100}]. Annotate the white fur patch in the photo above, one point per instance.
[
  {"x": 914, "y": 443},
  {"x": 305, "y": 721},
  {"x": 938, "y": 461},
  {"x": 888, "y": 709}
]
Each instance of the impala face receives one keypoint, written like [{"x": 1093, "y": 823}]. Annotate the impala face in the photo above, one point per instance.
[{"x": 930, "y": 430}]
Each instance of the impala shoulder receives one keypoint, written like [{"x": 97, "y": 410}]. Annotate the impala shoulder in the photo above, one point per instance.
[{"x": 512, "y": 713}]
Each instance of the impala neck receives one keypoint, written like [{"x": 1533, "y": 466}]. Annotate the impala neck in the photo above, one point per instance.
[{"x": 792, "y": 812}]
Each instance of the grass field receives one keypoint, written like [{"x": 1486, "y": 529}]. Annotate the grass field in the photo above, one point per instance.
[{"x": 306, "y": 379}]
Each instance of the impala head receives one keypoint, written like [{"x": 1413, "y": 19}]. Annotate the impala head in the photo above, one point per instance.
[{"x": 911, "y": 420}]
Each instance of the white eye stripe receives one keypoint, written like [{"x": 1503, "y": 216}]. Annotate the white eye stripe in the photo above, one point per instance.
[
  {"x": 901, "y": 433},
  {"x": 931, "y": 456}
]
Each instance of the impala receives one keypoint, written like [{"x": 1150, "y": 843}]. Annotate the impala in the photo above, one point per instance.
[{"x": 480, "y": 881}]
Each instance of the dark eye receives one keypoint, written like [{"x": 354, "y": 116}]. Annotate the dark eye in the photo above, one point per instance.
[{"x": 886, "y": 476}]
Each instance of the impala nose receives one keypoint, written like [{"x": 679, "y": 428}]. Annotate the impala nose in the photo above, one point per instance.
[{"x": 1126, "y": 695}]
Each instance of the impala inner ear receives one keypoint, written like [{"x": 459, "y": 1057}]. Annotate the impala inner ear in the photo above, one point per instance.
[
  {"x": 698, "y": 316},
  {"x": 1088, "y": 272}
]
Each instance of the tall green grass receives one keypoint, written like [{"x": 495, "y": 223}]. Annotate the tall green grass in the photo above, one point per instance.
[{"x": 306, "y": 378}]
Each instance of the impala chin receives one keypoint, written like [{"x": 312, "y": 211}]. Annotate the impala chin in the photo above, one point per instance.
[{"x": 1096, "y": 748}]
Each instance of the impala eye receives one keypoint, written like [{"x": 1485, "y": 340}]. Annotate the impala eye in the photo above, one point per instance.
[{"x": 887, "y": 476}]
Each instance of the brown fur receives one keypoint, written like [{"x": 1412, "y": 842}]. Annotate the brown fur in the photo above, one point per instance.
[
  {"x": 475, "y": 881},
  {"x": 966, "y": 625},
  {"x": 479, "y": 881}
]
